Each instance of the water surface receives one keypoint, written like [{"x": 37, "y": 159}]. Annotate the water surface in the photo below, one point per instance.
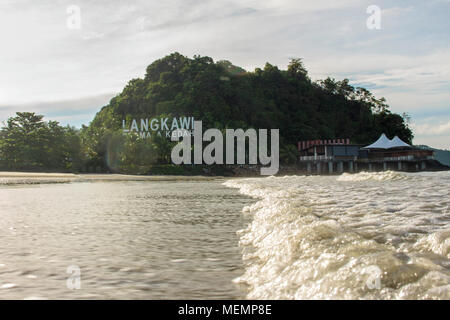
[
  {"x": 131, "y": 240},
  {"x": 379, "y": 235},
  {"x": 382, "y": 235}
]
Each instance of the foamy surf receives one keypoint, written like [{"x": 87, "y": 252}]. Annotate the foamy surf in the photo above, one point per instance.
[
  {"x": 375, "y": 176},
  {"x": 363, "y": 236}
]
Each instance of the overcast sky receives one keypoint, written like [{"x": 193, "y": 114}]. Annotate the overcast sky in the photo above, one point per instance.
[{"x": 68, "y": 74}]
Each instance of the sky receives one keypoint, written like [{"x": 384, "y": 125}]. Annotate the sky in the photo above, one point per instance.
[{"x": 52, "y": 65}]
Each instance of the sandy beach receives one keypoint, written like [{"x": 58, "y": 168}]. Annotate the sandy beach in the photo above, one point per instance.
[{"x": 38, "y": 177}]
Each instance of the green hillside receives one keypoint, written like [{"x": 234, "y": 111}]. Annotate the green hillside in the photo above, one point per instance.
[
  {"x": 222, "y": 96},
  {"x": 226, "y": 96}
]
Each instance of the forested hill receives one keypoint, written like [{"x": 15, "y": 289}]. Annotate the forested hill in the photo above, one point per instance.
[
  {"x": 219, "y": 94},
  {"x": 226, "y": 96}
]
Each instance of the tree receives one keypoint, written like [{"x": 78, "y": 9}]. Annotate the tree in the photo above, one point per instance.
[
  {"x": 296, "y": 67},
  {"x": 29, "y": 143}
]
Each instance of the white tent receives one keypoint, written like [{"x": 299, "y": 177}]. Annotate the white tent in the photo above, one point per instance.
[
  {"x": 398, "y": 143},
  {"x": 384, "y": 143}
]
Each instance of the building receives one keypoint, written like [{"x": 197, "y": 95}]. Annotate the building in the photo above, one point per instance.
[
  {"x": 328, "y": 156},
  {"x": 394, "y": 154},
  {"x": 338, "y": 155}
]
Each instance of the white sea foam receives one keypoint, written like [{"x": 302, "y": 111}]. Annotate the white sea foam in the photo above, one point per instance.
[
  {"x": 8, "y": 286},
  {"x": 375, "y": 176},
  {"x": 362, "y": 236}
]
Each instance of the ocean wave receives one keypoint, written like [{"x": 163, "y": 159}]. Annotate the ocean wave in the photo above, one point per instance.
[
  {"x": 316, "y": 238},
  {"x": 438, "y": 243},
  {"x": 374, "y": 176}
]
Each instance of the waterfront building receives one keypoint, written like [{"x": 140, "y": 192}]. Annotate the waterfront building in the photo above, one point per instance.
[{"x": 339, "y": 155}]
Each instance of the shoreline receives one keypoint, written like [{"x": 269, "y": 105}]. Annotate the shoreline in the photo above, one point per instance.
[
  {"x": 69, "y": 177},
  {"x": 18, "y": 177}
]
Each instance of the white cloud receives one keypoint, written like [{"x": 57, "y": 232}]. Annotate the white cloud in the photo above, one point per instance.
[
  {"x": 432, "y": 131},
  {"x": 408, "y": 61},
  {"x": 438, "y": 142},
  {"x": 432, "y": 128},
  {"x": 396, "y": 11},
  {"x": 410, "y": 83},
  {"x": 73, "y": 112}
]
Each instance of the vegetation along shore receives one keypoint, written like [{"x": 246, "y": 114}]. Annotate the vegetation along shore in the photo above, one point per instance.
[{"x": 219, "y": 94}]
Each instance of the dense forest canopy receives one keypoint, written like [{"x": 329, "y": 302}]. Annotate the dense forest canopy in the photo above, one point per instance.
[
  {"x": 29, "y": 143},
  {"x": 222, "y": 96}
]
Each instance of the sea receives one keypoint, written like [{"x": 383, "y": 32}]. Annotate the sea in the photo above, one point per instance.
[{"x": 377, "y": 235}]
